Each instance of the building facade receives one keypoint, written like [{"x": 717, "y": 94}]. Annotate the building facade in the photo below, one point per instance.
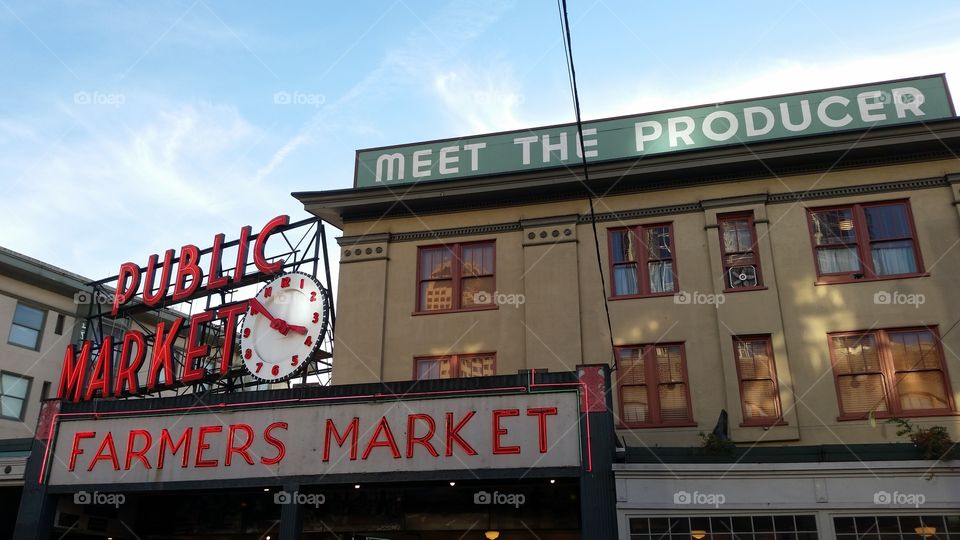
[{"x": 804, "y": 286}]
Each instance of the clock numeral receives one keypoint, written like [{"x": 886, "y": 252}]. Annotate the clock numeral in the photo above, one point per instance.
[
  {"x": 267, "y": 292},
  {"x": 246, "y": 332},
  {"x": 309, "y": 341},
  {"x": 248, "y": 354},
  {"x": 295, "y": 360},
  {"x": 301, "y": 283},
  {"x": 275, "y": 370},
  {"x": 284, "y": 282},
  {"x": 259, "y": 366},
  {"x": 313, "y": 296},
  {"x": 316, "y": 317}
]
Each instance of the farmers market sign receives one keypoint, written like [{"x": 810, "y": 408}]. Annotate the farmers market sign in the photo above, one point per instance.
[{"x": 849, "y": 108}]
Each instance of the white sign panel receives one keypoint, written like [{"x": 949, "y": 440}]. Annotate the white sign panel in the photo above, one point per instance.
[{"x": 488, "y": 432}]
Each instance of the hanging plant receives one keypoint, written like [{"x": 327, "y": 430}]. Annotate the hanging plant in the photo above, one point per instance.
[
  {"x": 934, "y": 441},
  {"x": 716, "y": 446}
]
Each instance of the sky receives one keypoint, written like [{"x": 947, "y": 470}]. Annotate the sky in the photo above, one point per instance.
[{"x": 130, "y": 127}]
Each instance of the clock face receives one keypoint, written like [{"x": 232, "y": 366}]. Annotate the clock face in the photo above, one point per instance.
[{"x": 283, "y": 325}]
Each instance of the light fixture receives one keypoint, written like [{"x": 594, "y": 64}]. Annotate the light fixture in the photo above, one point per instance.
[
  {"x": 266, "y": 489},
  {"x": 925, "y": 531},
  {"x": 846, "y": 225},
  {"x": 356, "y": 486},
  {"x": 552, "y": 481},
  {"x": 492, "y": 535},
  {"x": 452, "y": 484},
  {"x": 268, "y": 537},
  {"x": 698, "y": 534}
]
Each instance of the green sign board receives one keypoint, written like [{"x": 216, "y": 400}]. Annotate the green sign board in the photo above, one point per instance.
[{"x": 859, "y": 107}]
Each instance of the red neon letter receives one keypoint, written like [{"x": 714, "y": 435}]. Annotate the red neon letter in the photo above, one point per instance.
[
  {"x": 542, "y": 414},
  {"x": 499, "y": 432},
  {"x": 163, "y": 355},
  {"x": 111, "y": 455},
  {"x": 124, "y": 290},
  {"x": 76, "y": 451},
  {"x": 189, "y": 257},
  {"x": 229, "y": 316},
  {"x": 276, "y": 443},
  {"x": 73, "y": 371},
  {"x": 453, "y": 435},
  {"x": 203, "y": 445},
  {"x": 102, "y": 371},
  {"x": 425, "y": 439},
  {"x": 149, "y": 297},
  {"x": 195, "y": 350},
  {"x": 126, "y": 371},
  {"x": 242, "y": 245},
  {"x": 382, "y": 427},
  {"x": 215, "y": 279},
  {"x": 183, "y": 441},
  {"x": 258, "y": 257},
  {"x": 331, "y": 430},
  {"x": 141, "y": 453},
  {"x": 242, "y": 449}
]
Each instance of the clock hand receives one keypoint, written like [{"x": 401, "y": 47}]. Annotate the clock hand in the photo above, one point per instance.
[
  {"x": 302, "y": 330},
  {"x": 257, "y": 307},
  {"x": 276, "y": 323}
]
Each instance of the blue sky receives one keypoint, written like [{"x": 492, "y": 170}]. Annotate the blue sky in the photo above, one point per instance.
[{"x": 130, "y": 127}]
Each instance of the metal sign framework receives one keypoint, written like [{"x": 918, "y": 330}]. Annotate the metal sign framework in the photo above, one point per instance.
[{"x": 305, "y": 250}]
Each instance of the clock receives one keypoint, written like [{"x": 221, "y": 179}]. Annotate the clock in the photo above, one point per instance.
[{"x": 285, "y": 322}]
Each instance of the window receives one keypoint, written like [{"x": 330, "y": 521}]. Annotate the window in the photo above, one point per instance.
[
  {"x": 890, "y": 373},
  {"x": 787, "y": 527},
  {"x": 738, "y": 247},
  {"x": 642, "y": 261},
  {"x": 14, "y": 390},
  {"x": 58, "y": 329},
  {"x": 896, "y": 527},
  {"x": 455, "y": 277},
  {"x": 652, "y": 383},
  {"x": 864, "y": 241},
  {"x": 27, "y": 326},
  {"x": 457, "y": 365},
  {"x": 759, "y": 391}
]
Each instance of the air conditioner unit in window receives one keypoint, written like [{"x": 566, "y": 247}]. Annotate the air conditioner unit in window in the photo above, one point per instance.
[{"x": 742, "y": 276}]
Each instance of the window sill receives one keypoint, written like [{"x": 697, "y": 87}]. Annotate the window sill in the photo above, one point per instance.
[
  {"x": 463, "y": 310},
  {"x": 887, "y": 415},
  {"x": 838, "y": 280},
  {"x": 774, "y": 423},
  {"x": 34, "y": 349},
  {"x": 622, "y": 425},
  {"x": 635, "y": 296},
  {"x": 744, "y": 289}
]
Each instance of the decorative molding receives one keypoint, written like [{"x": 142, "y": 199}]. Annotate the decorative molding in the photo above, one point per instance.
[
  {"x": 742, "y": 200},
  {"x": 363, "y": 239},
  {"x": 459, "y": 231},
  {"x": 903, "y": 185},
  {"x": 644, "y": 212}
]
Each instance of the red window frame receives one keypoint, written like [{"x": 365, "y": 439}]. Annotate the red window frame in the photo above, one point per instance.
[
  {"x": 456, "y": 276},
  {"x": 749, "y": 420},
  {"x": 863, "y": 243},
  {"x": 648, "y": 352},
  {"x": 454, "y": 363},
  {"x": 750, "y": 257},
  {"x": 888, "y": 374},
  {"x": 641, "y": 261}
]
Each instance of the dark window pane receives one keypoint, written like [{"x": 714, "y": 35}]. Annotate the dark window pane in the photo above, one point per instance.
[
  {"x": 784, "y": 523},
  {"x": 887, "y": 221},
  {"x": 28, "y": 316},
  {"x": 625, "y": 280},
  {"x": 639, "y": 525},
  {"x": 657, "y": 240},
  {"x": 623, "y": 250},
  {"x": 762, "y": 523},
  {"x": 833, "y": 227},
  {"x": 806, "y": 523}
]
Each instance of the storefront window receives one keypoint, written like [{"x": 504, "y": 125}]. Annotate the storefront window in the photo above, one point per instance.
[
  {"x": 785, "y": 527},
  {"x": 896, "y": 527}
]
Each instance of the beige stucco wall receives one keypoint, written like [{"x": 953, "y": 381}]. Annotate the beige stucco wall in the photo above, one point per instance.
[{"x": 563, "y": 321}]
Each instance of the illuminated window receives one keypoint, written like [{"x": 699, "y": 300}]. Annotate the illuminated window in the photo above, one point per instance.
[
  {"x": 756, "y": 370},
  {"x": 454, "y": 366},
  {"x": 652, "y": 383}
]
